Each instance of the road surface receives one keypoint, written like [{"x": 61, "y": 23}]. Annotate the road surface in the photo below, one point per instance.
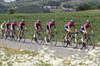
[{"x": 59, "y": 49}]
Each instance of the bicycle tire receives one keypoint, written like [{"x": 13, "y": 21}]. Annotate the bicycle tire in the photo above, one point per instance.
[
  {"x": 53, "y": 40},
  {"x": 7, "y": 35},
  {"x": 23, "y": 38},
  {"x": 14, "y": 36},
  {"x": 39, "y": 39},
  {"x": 79, "y": 43},
  {"x": 64, "y": 42},
  {"x": 90, "y": 44}
]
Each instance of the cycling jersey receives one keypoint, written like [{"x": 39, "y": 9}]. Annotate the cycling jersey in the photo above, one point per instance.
[
  {"x": 69, "y": 24},
  {"x": 82, "y": 27},
  {"x": 37, "y": 25},
  {"x": 13, "y": 25},
  {"x": 51, "y": 24},
  {"x": 85, "y": 25},
  {"x": 7, "y": 24},
  {"x": 21, "y": 24}
]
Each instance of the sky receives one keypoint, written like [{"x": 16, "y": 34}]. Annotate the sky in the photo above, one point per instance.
[{"x": 8, "y": 0}]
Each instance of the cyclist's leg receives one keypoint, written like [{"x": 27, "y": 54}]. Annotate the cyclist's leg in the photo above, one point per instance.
[
  {"x": 66, "y": 29},
  {"x": 47, "y": 29},
  {"x": 69, "y": 34},
  {"x": 5, "y": 31},
  {"x": 2, "y": 31},
  {"x": 19, "y": 33}
]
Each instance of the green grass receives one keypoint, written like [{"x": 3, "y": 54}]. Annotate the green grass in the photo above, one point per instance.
[
  {"x": 60, "y": 18},
  {"x": 56, "y": 10},
  {"x": 13, "y": 51}
]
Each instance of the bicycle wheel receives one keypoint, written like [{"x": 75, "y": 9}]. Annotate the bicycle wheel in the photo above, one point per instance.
[
  {"x": 90, "y": 44},
  {"x": 39, "y": 39},
  {"x": 22, "y": 37},
  {"x": 64, "y": 42},
  {"x": 13, "y": 36},
  {"x": 32, "y": 39},
  {"x": 53, "y": 40},
  {"x": 79, "y": 43}
]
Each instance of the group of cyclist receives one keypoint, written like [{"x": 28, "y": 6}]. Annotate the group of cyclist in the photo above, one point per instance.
[{"x": 83, "y": 29}]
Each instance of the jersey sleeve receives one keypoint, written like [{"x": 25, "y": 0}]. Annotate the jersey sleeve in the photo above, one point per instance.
[
  {"x": 40, "y": 24},
  {"x": 24, "y": 23},
  {"x": 54, "y": 24},
  {"x": 73, "y": 25},
  {"x": 89, "y": 26}
]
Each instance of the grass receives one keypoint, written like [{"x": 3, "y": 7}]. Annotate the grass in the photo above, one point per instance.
[
  {"x": 13, "y": 51},
  {"x": 56, "y": 10},
  {"x": 60, "y": 18}
]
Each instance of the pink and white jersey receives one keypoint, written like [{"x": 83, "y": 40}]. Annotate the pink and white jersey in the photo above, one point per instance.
[
  {"x": 69, "y": 24},
  {"x": 7, "y": 24},
  {"x": 13, "y": 24},
  {"x": 51, "y": 24},
  {"x": 22, "y": 24},
  {"x": 37, "y": 24},
  {"x": 85, "y": 25}
]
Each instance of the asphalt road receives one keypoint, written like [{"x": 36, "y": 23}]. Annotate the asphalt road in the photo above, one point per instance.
[{"x": 59, "y": 49}]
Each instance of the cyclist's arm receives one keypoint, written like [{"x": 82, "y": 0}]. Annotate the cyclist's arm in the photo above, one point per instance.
[
  {"x": 75, "y": 29},
  {"x": 41, "y": 27},
  {"x": 91, "y": 30},
  {"x": 55, "y": 27}
]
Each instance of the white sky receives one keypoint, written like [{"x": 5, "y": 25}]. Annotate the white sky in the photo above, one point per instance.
[{"x": 8, "y": 0}]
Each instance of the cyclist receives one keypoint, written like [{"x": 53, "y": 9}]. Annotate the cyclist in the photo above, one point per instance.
[
  {"x": 20, "y": 27},
  {"x": 67, "y": 28},
  {"x": 7, "y": 27},
  {"x": 48, "y": 28},
  {"x": 13, "y": 26},
  {"x": 84, "y": 32},
  {"x": 2, "y": 28},
  {"x": 36, "y": 27}
]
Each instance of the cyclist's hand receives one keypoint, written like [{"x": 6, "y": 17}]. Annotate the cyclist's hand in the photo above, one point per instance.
[
  {"x": 56, "y": 32},
  {"x": 76, "y": 32},
  {"x": 94, "y": 34}
]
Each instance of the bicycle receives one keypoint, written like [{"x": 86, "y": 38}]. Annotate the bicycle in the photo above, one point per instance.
[
  {"x": 68, "y": 41},
  {"x": 89, "y": 42},
  {"x": 38, "y": 39},
  {"x": 52, "y": 38},
  {"x": 22, "y": 36},
  {"x": 7, "y": 34},
  {"x": 13, "y": 35},
  {"x": 2, "y": 34}
]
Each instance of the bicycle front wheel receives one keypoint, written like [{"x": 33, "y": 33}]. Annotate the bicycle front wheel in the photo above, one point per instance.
[
  {"x": 64, "y": 42},
  {"x": 90, "y": 44},
  {"x": 23, "y": 38},
  {"x": 53, "y": 40},
  {"x": 79, "y": 43},
  {"x": 39, "y": 39}
]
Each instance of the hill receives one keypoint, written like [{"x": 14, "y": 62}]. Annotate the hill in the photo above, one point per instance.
[{"x": 60, "y": 18}]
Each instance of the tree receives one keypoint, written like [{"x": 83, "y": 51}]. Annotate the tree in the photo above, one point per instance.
[
  {"x": 11, "y": 11},
  {"x": 98, "y": 6},
  {"x": 83, "y": 7}
]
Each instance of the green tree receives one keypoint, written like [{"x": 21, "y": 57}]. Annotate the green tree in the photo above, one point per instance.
[
  {"x": 83, "y": 7},
  {"x": 11, "y": 11}
]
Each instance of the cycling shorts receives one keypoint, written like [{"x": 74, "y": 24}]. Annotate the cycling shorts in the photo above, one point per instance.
[{"x": 66, "y": 28}]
